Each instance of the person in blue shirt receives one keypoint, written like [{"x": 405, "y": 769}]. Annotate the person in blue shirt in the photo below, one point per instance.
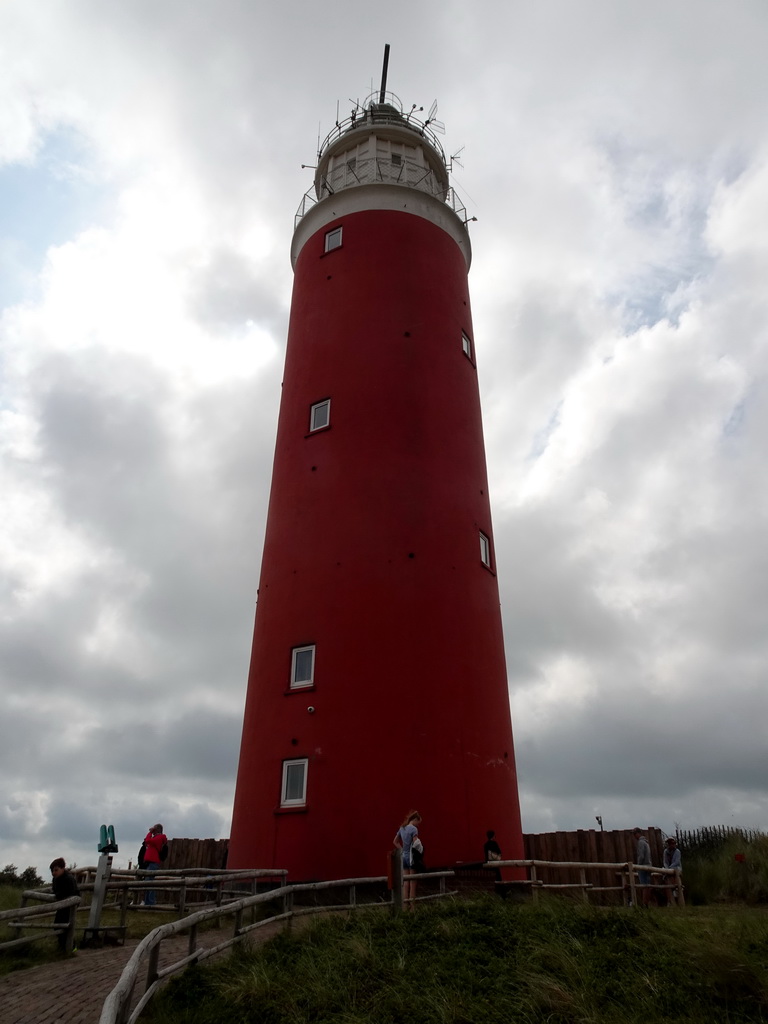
[
  {"x": 404, "y": 839},
  {"x": 672, "y": 859}
]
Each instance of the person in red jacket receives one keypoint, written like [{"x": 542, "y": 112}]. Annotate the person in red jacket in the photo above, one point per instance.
[{"x": 154, "y": 841}]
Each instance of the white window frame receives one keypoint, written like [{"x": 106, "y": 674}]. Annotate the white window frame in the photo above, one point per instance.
[
  {"x": 285, "y": 800},
  {"x": 333, "y": 239},
  {"x": 298, "y": 684},
  {"x": 314, "y": 409},
  {"x": 466, "y": 345},
  {"x": 485, "y": 549}
]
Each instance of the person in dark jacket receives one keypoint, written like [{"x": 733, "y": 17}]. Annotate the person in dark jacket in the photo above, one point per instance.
[
  {"x": 64, "y": 886},
  {"x": 492, "y": 851}
]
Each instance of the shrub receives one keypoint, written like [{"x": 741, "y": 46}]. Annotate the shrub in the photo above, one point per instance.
[
  {"x": 731, "y": 869},
  {"x": 28, "y": 879}
]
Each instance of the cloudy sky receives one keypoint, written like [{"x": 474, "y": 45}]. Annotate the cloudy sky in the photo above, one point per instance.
[{"x": 616, "y": 157}]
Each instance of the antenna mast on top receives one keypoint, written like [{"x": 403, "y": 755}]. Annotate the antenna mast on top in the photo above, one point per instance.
[{"x": 384, "y": 73}]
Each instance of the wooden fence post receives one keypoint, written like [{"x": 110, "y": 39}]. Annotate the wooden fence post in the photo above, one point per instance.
[
  {"x": 632, "y": 887},
  {"x": 124, "y": 908},
  {"x": 288, "y": 909},
  {"x": 583, "y": 880},
  {"x": 183, "y": 898},
  {"x": 69, "y": 938},
  {"x": 679, "y": 885},
  {"x": 396, "y": 861},
  {"x": 154, "y": 960},
  {"x": 534, "y": 886}
]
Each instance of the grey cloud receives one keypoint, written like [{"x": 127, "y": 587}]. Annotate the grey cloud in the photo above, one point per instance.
[
  {"x": 229, "y": 291},
  {"x": 196, "y": 744}
]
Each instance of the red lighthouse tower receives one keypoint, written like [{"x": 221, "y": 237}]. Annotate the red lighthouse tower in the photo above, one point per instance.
[{"x": 378, "y": 681}]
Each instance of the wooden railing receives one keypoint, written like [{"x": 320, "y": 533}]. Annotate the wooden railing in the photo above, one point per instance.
[
  {"x": 626, "y": 870},
  {"x": 117, "y": 1007},
  {"x": 186, "y": 886},
  {"x": 27, "y": 918}
]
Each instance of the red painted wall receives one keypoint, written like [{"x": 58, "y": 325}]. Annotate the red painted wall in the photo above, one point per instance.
[{"x": 372, "y": 553}]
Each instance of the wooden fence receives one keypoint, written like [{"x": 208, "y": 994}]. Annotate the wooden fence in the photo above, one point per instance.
[
  {"x": 32, "y": 918},
  {"x": 118, "y": 1007},
  {"x": 582, "y": 845},
  {"x": 589, "y": 846},
  {"x": 197, "y": 853},
  {"x": 715, "y": 835}
]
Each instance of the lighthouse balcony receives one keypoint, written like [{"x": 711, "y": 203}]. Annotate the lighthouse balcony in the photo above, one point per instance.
[{"x": 383, "y": 171}]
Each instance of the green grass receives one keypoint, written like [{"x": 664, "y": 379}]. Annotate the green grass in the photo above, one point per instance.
[
  {"x": 489, "y": 962},
  {"x": 712, "y": 873}
]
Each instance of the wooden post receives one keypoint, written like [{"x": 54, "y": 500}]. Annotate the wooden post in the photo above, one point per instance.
[
  {"x": 632, "y": 887},
  {"x": 534, "y": 886},
  {"x": 154, "y": 960},
  {"x": 123, "y": 908},
  {"x": 583, "y": 880},
  {"x": 192, "y": 939},
  {"x": 397, "y": 881},
  {"x": 254, "y": 891},
  {"x": 288, "y": 908},
  {"x": 219, "y": 887},
  {"x": 183, "y": 898},
  {"x": 238, "y": 921},
  {"x": 69, "y": 937},
  {"x": 679, "y": 887}
]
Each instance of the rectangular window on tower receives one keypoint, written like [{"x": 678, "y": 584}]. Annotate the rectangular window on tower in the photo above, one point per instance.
[
  {"x": 294, "y": 787},
  {"x": 466, "y": 345},
  {"x": 333, "y": 238},
  {"x": 485, "y": 550},
  {"x": 302, "y": 667},
  {"x": 320, "y": 415}
]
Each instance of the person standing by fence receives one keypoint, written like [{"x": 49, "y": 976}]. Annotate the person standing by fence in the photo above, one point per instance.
[
  {"x": 154, "y": 842},
  {"x": 404, "y": 838},
  {"x": 672, "y": 859},
  {"x": 64, "y": 886},
  {"x": 492, "y": 851},
  {"x": 643, "y": 858}
]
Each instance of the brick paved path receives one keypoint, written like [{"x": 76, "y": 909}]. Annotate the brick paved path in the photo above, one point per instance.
[{"x": 72, "y": 991}]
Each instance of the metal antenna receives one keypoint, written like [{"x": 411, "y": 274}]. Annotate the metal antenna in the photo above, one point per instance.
[
  {"x": 384, "y": 73},
  {"x": 455, "y": 159},
  {"x": 437, "y": 126}
]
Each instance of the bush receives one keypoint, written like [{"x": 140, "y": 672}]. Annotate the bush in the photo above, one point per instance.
[
  {"x": 735, "y": 869},
  {"x": 28, "y": 879}
]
